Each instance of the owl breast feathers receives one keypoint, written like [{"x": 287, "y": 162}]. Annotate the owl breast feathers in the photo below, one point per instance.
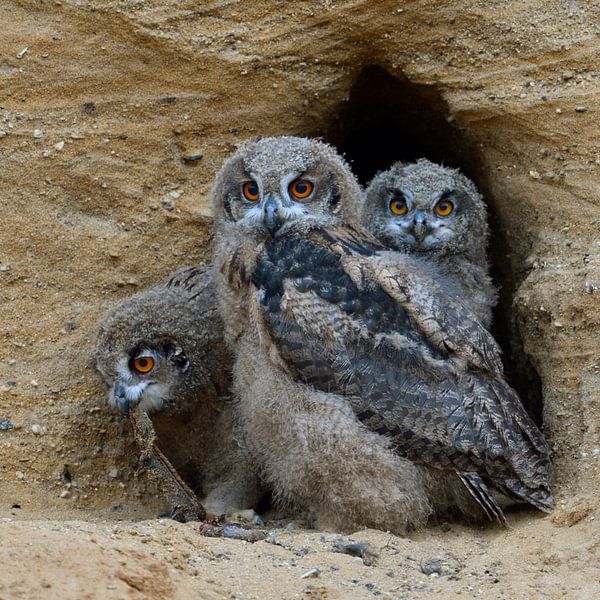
[{"x": 412, "y": 361}]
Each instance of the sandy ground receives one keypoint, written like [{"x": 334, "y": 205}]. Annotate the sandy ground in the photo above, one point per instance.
[
  {"x": 164, "y": 559},
  {"x": 114, "y": 117}
]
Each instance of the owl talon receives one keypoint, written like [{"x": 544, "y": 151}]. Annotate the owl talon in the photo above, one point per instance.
[{"x": 182, "y": 514}]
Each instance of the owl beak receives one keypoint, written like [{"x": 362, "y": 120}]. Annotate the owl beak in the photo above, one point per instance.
[
  {"x": 271, "y": 219},
  {"x": 121, "y": 399},
  {"x": 420, "y": 225}
]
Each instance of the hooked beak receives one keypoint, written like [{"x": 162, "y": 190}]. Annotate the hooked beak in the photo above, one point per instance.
[
  {"x": 420, "y": 228},
  {"x": 121, "y": 399},
  {"x": 271, "y": 219}
]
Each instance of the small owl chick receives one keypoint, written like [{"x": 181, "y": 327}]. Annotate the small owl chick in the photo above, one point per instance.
[
  {"x": 341, "y": 345},
  {"x": 163, "y": 349},
  {"x": 436, "y": 213}
]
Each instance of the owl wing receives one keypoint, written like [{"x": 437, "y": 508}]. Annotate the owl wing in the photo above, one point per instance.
[
  {"x": 444, "y": 319},
  {"x": 192, "y": 280},
  {"x": 345, "y": 322}
]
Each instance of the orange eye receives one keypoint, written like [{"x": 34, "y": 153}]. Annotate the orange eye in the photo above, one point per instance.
[
  {"x": 444, "y": 207},
  {"x": 398, "y": 206},
  {"x": 250, "y": 191},
  {"x": 301, "y": 188},
  {"x": 143, "y": 364}
]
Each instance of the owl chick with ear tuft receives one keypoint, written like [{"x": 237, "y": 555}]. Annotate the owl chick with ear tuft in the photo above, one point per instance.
[
  {"x": 343, "y": 348},
  {"x": 163, "y": 349},
  {"x": 313, "y": 452},
  {"x": 436, "y": 213}
]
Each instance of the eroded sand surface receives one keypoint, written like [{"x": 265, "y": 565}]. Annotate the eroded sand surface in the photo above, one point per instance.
[{"x": 114, "y": 117}]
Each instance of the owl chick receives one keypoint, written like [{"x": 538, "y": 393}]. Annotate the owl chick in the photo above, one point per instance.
[
  {"x": 436, "y": 213},
  {"x": 163, "y": 349},
  {"x": 312, "y": 451},
  {"x": 343, "y": 347}
]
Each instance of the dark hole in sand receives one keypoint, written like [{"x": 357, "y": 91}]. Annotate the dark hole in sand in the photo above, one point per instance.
[{"x": 387, "y": 119}]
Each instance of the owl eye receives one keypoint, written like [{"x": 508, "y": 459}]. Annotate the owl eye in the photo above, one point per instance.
[
  {"x": 301, "y": 189},
  {"x": 398, "y": 205},
  {"x": 250, "y": 191},
  {"x": 143, "y": 364},
  {"x": 444, "y": 207}
]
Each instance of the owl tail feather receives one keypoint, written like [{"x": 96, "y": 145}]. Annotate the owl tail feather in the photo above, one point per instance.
[
  {"x": 482, "y": 495},
  {"x": 540, "y": 497}
]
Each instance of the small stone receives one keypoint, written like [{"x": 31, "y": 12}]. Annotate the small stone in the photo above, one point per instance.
[
  {"x": 591, "y": 287},
  {"x": 20, "y": 475},
  {"x": 59, "y": 145},
  {"x": 38, "y": 133},
  {"x": 34, "y": 383},
  {"x": 5, "y": 267},
  {"x": 37, "y": 429},
  {"x": 580, "y": 109},
  {"x": 22, "y": 53},
  {"x": 70, "y": 326},
  {"x": 357, "y": 549},
  {"x": 312, "y": 573},
  {"x": 534, "y": 175},
  {"x": 10, "y": 383},
  {"x": 168, "y": 204},
  {"x": 65, "y": 494},
  {"x": 192, "y": 158},
  {"x": 558, "y": 111},
  {"x": 567, "y": 75},
  {"x": 431, "y": 566},
  {"x": 5, "y": 425},
  {"x": 113, "y": 473},
  {"x": 2, "y": 133},
  {"x": 89, "y": 108}
]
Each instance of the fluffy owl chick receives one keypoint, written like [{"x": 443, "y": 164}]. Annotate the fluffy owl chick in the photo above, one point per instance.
[
  {"x": 327, "y": 324},
  {"x": 311, "y": 449},
  {"x": 436, "y": 213},
  {"x": 163, "y": 350}
]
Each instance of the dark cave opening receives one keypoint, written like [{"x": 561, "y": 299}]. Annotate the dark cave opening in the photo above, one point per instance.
[{"x": 387, "y": 119}]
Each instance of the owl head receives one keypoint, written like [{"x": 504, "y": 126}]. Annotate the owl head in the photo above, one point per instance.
[
  {"x": 278, "y": 183},
  {"x": 152, "y": 350},
  {"x": 426, "y": 208}
]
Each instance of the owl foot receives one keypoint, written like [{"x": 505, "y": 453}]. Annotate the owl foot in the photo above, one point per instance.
[{"x": 182, "y": 514}]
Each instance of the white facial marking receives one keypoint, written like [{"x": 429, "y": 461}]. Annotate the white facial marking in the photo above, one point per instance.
[
  {"x": 285, "y": 184},
  {"x": 147, "y": 393},
  {"x": 154, "y": 397}
]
